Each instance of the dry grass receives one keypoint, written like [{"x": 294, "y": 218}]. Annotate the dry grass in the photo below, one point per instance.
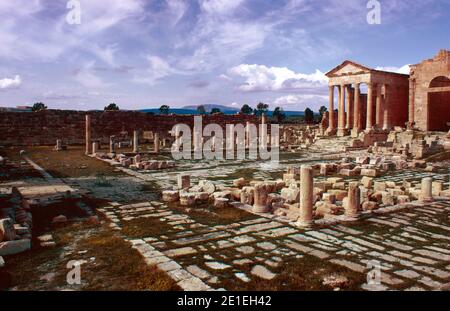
[
  {"x": 145, "y": 227},
  {"x": 305, "y": 274},
  {"x": 116, "y": 266},
  {"x": 68, "y": 163}
]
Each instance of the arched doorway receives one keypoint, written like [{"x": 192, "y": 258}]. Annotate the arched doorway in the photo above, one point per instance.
[{"x": 439, "y": 104}]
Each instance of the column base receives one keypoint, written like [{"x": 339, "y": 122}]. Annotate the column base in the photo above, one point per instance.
[
  {"x": 305, "y": 224},
  {"x": 342, "y": 132},
  {"x": 260, "y": 209},
  {"x": 330, "y": 132},
  {"x": 355, "y": 132}
]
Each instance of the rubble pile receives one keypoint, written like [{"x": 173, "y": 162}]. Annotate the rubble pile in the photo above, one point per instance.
[{"x": 15, "y": 223}]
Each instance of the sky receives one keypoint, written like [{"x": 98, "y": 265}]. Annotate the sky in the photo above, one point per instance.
[{"x": 147, "y": 53}]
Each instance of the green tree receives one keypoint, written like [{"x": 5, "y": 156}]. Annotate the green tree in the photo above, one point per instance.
[
  {"x": 246, "y": 109},
  {"x": 215, "y": 111},
  {"x": 279, "y": 114},
  {"x": 309, "y": 116},
  {"x": 39, "y": 107},
  {"x": 201, "y": 109},
  {"x": 164, "y": 109},
  {"x": 112, "y": 107},
  {"x": 322, "y": 111},
  {"x": 261, "y": 108}
]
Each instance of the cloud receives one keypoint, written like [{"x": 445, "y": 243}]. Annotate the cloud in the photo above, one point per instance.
[
  {"x": 157, "y": 70},
  {"x": 220, "y": 6},
  {"x": 406, "y": 69},
  {"x": 300, "y": 102},
  {"x": 86, "y": 77},
  {"x": 8, "y": 83},
  {"x": 263, "y": 78}
]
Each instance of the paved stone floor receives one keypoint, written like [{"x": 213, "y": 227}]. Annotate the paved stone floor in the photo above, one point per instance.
[{"x": 412, "y": 246}]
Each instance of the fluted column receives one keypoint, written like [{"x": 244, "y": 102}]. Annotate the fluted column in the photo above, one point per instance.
[
  {"x": 332, "y": 125},
  {"x": 341, "y": 112},
  {"x": 369, "y": 117},
  {"x": 379, "y": 109},
  {"x": 386, "y": 109},
  {"x": 349, "y": 122},
  {"x": 357, "y": 108}
]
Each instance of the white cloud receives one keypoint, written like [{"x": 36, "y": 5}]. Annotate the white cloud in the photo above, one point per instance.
[
  {"x": 403, "y": 70},
  {"x": 86, "y": 77},
  {"x": 157, "y": 70},
  {"x": 263, "y": 78},
  {"x": 220, "y": 6},
  {"x": 8, "y": 83},
  {"x": 300, "y": 102}
]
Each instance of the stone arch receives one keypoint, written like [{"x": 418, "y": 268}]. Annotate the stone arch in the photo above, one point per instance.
[{"x": 439, "y": 104}]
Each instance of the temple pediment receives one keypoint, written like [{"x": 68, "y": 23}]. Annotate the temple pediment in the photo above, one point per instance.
[{"x": 348, "y": 68}]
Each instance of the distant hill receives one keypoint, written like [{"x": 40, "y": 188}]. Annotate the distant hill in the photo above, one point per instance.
[
  {"x": 188, "y": 110},
  {"x": 210, "y": 107}
]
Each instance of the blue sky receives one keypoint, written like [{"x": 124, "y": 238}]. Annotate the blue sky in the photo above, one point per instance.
[{"x": 146, "y": 53}]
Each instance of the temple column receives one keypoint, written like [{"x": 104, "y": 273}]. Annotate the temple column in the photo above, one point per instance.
[
  {"x": 306, "y": 196},
  {"x": 357, "y": 109},
  {"x": 112, "y": 147},
  {"x": 386, "y": 109},
  {"x": 369, "y": 118},
  {"x": 341, "y": 111},
  {"x": 332, "y": 125},
  {"x": 88, "y": 134},
  {"x": 349, "y": 122},
  {"x": 379, "y": 109}
]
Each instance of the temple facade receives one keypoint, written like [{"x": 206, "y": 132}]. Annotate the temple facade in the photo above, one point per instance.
[{"x": 369, "y": 99}]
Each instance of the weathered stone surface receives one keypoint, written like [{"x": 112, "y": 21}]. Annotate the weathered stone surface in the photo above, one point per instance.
[
  {"x": 263, "y": 272},
  {"x": 7, "y": 232},
  {"x": 14, "y": 247}
]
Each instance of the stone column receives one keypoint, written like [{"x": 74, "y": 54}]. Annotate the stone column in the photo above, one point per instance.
[
  {"x": 136, "y": 141},
  {"x": 263, "y": 129},
  {"x": 349, "y": 122},
  {"x": 95, "y": 147},
  {"x": 184, "y": 181},
  {"x": 156, "y": 142},
  {"x": 260, "y": 197},
  {"x": 306, "y": 196},
  {"x": 369, "y": 121},
  {"x": 411, "y": 101},
  {"x": 58, "y": 146},
  {"x": 426, "y": 194},
  {"x": 357, "y": 108},
  {"x": 112, "y": 147},
  {"x": 386, "y": 109},
  {"x": 331, "y": 125},
  {"x": 341, "y": 111},
  {"x": 354, "y": 200},
  {"x": 247, "y": 134},
  {"x": 379, "y": 109},
  {"x": 88, "y": 134}
]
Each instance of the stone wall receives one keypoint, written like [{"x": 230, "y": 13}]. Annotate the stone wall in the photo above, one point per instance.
[
  {"x": 429, "y": 94},
  {"x": 44, "y": 127}
]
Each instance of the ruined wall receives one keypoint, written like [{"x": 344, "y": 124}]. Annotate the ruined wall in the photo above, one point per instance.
[
  {"x": 430, "y": 110},
  {"x": 44, "y": 127}
]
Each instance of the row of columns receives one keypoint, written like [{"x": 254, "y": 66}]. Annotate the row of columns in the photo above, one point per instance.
[
  {"x": 349, "y": 100},
  {"x": 92, "y": 147}
]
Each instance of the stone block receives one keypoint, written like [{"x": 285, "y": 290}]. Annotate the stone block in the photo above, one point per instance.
[{"x": 14, "y": 247}]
